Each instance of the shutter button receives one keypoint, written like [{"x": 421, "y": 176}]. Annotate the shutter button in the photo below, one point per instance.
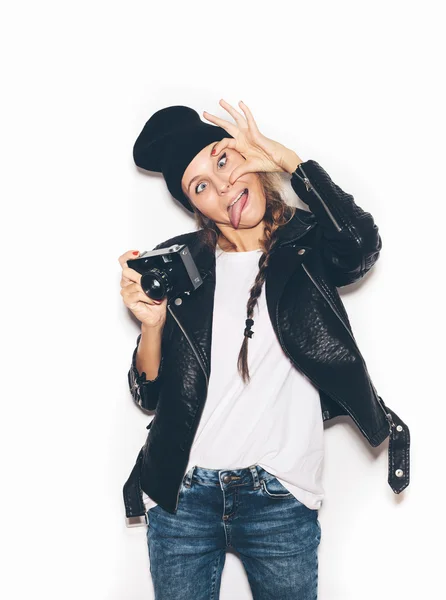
[
  {"x": 178, "y": 301},
  {"x": 226, "y": 479}
]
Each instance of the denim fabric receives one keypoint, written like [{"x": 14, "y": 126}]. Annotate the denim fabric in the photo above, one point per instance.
[{"x": 246, "y": 510}]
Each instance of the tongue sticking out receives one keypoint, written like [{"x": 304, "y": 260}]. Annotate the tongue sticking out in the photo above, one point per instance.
[{"x": 235, "y": 212}]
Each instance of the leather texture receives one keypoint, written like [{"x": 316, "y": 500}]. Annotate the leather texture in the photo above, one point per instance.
[{"x": 332, "y": 245}]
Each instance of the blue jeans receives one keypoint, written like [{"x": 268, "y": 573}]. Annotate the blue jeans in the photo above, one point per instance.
[{"x": 248, "y": 511}]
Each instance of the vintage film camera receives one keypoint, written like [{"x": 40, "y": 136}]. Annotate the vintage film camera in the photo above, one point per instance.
[{"x": 167, "y": 271}]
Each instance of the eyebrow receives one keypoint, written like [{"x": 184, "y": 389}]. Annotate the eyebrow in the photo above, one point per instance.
[{"x": 198, "y": 176}]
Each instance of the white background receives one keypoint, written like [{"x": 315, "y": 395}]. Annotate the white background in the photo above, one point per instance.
[{"x": 356, "y": 86}]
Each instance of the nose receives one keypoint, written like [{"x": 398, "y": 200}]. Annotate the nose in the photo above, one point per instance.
[{"x": 225, "y": 187}]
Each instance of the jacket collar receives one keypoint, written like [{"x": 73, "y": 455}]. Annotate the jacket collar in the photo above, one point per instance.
[{"x": 301, "y": 222}]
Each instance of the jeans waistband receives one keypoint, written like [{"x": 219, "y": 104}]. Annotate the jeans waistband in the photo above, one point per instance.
[{"x": 251, "y": 475}]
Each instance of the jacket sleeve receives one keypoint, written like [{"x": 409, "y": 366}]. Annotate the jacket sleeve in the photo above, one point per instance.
[
  {"x": 350, "y": 243},
  {"x": 144, "y": 391}
]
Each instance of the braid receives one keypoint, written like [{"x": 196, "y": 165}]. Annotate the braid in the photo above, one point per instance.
[
  {"x": 270, "y": 230},
  {"x": 277, "y": 213}
]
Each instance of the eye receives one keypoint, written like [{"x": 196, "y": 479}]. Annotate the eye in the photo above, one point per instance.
[{"x": 223, "y": 156}]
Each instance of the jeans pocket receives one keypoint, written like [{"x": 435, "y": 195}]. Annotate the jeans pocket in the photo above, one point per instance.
[{"x": 273, "y": 488}]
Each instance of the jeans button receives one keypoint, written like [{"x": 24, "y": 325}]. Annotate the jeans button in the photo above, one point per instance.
[{"x": 226, "y": 479}]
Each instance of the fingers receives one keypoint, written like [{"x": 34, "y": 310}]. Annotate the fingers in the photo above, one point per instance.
[
  {"x": 252, "y": 124},
  {"x": 131, "y": 274},
  {"x": 239, "y": 172},
  {"x": 126, "y": 282},
  {"x": 125, "y": 257},
  {"x": 133, "y": 277},
  {"x": 225, "y": 143},
  {"x": 238, "y": 118},
  {"x": 131, "y": 298},
  {"x": 226, "y": 125}
]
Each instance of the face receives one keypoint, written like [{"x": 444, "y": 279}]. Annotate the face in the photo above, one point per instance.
[{"x": 206, "y": 183}]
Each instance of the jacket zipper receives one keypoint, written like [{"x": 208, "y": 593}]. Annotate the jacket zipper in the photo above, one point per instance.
[
  {"x": 191, "y": 344},
  {"x": 387, "y": 415},
  {"x": 309, "y": 187},
  {"x": 201, "y": 365}
]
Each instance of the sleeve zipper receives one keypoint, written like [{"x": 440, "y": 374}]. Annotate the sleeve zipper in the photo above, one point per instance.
[{"x": 310, "y": 187}]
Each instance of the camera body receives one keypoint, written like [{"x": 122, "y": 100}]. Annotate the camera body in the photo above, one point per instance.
[{"x": 167, "y": 272}]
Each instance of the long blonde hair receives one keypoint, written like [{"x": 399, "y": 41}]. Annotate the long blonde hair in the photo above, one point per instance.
[{"x": 277, "y": 214}]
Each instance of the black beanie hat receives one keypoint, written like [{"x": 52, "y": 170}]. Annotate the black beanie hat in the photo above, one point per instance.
[{"x": 169, "y": 141}]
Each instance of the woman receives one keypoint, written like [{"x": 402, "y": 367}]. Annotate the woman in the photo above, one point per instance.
[{"x": 234, "y": 457}]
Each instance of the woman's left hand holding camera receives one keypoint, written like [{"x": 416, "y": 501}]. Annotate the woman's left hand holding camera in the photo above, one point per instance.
[{"x": 260, "y": 152}]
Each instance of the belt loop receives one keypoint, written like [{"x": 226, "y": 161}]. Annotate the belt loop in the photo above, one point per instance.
[
  {"x": 255, "y": 476},
  {"x": 188, "y": 477}
]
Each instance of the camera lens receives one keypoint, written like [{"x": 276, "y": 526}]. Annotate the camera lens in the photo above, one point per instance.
[{"x": 155, "y": 284}]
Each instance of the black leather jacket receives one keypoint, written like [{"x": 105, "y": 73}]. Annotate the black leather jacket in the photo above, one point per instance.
[{"x": 332, "y": 245}]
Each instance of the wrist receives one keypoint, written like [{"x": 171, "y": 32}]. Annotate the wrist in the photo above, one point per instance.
[
  {"x": 151, "y": 330},
  {"x": 291, "y": 162}
]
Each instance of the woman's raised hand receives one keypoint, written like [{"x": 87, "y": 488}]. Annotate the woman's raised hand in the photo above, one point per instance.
[
  {"x": 151, "y": 313},
  {"x": 260, "y": 152}
]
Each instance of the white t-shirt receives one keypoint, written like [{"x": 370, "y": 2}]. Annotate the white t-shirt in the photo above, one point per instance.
[{"x": 275, "y": 420}]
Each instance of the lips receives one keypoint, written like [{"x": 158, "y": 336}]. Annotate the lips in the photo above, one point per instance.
[{"x": 237, "y": 198}]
